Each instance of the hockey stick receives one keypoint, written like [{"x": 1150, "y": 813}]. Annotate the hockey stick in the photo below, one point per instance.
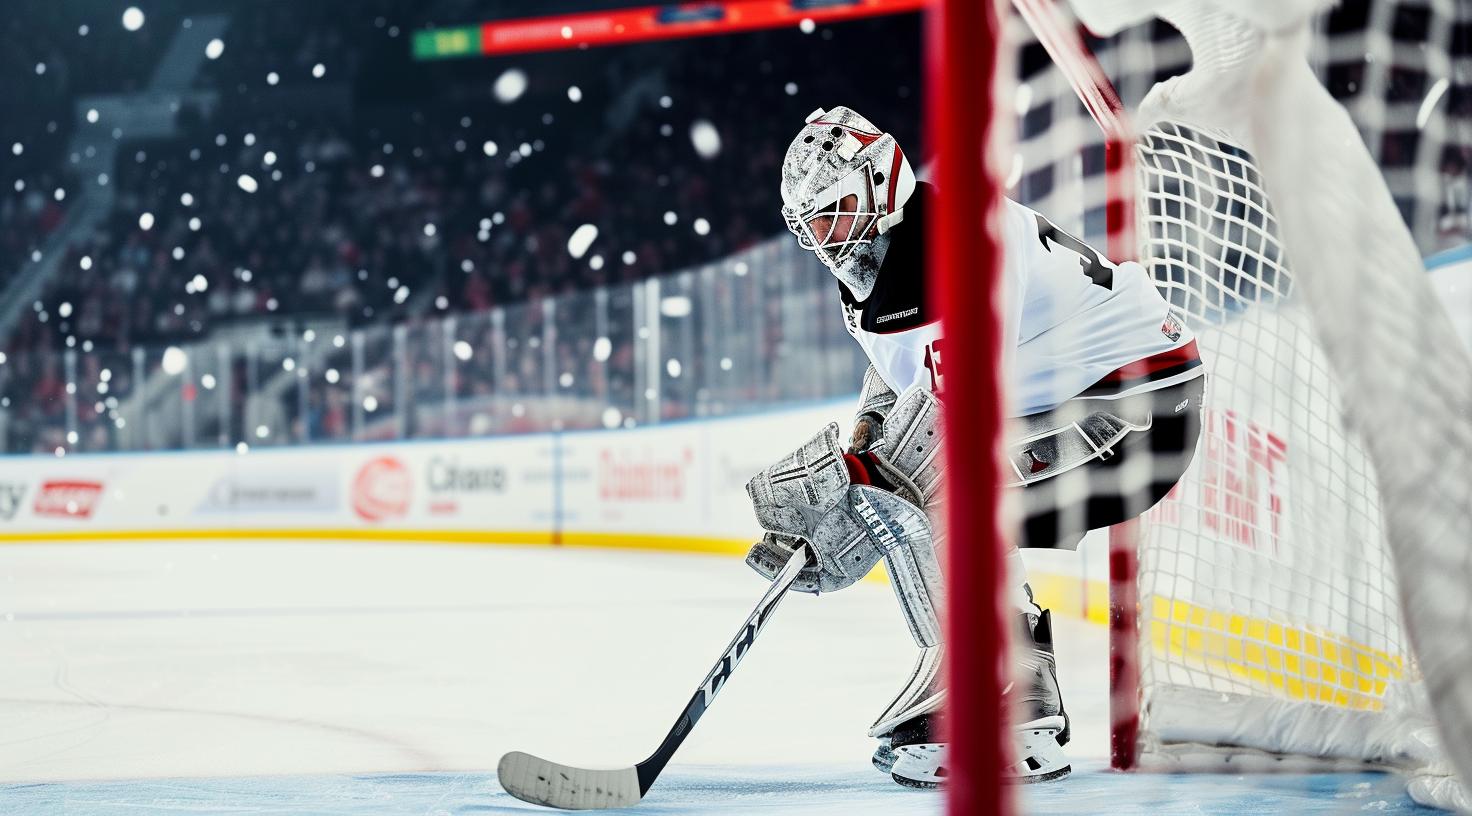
[{"x": 536, "y": 780}]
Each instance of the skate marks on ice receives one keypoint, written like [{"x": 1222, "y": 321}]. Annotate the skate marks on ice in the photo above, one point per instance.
[{"x": 811, "y": 790}]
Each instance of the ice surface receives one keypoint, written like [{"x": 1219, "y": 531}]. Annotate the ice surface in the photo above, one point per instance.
[
  {"x": 341, "y": 678},
  {"x": 808, "y": 790}
]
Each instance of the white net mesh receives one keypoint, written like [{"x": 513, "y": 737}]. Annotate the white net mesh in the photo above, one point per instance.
[
  {"x": 1264, "y": 575},
  {"x": 1271, "y": 579}
]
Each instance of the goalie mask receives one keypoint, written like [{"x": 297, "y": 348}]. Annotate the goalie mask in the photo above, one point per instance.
[{"x": 844, "y": 184}]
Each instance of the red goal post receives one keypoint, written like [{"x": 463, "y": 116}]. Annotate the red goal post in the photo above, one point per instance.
[
  {"x": 965, "y": 53},
  {"x": 965, "y": 42}
]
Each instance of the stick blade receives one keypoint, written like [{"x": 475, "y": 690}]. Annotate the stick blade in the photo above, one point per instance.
[{"x": 533, "y": 779}]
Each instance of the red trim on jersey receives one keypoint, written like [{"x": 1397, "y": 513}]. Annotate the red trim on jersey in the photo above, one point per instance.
[{"x": 1155, "y": 367}]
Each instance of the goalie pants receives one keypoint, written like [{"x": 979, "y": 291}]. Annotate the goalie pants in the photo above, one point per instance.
[{"x": 1142, "y": 467}]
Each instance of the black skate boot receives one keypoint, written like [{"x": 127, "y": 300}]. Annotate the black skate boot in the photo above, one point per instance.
[{"x": 1038, "y": 717}]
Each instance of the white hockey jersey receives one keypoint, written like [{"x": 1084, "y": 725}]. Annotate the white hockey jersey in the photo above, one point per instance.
[{"x": 1078, "y": 324}]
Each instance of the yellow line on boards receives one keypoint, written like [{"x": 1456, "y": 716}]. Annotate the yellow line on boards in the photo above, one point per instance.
[
  {"x": 632, "y": 541},
  {"x": 282, "y": 533}
]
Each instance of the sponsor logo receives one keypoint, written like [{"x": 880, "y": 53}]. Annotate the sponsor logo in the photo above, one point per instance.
[
  {"x": 1236, "y": 484},
  {"x": 658, "y": 477},
  {"x": 897, "y": 315},
  {"x": 382, "y": 489},
  {"x": 273, "y": 491},
  {"x": 887, "y": 539},
  {"x": 67, "y": 498},
  {"x": 11, "y": 495},
  {"x": 1171, "y": 327},
  {"x": 733, "y": 474},
  {"x": 448, "y": 480}
]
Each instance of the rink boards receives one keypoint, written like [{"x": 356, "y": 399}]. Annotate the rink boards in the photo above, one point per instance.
[
  {"x": 674, "y": 486},
  {"x": 678, "y": 486}
]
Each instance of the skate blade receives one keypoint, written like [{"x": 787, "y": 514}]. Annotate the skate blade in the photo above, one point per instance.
[
  {"x": 1039, "y": 745},
  {"x": 1050, "y": 776},
  {"x": 920, "y": 766},
  {"x": 915, "y": 783}
]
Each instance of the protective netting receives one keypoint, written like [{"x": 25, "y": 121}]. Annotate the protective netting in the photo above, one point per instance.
[
  {"x": 1402, "y": 68},
  {"x": 1264, "y": 575},
  {"x": 1283, "y": 613}
]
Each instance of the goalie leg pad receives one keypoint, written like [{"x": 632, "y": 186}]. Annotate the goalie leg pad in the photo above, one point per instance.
[
  {"x": 919, "y": 587},
  {"x": 911, "y": 458},
  {"x": 923, "y": 694}
]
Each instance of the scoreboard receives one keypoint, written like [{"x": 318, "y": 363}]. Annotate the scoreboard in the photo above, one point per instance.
[{"x": 641, "y": 24}]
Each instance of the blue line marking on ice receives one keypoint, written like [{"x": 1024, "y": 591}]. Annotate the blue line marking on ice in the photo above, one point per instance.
[{"x": 825, "y": 790}]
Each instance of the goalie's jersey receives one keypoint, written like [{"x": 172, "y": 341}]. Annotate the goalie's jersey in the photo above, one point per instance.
[{"x": 1078, "y": 324}]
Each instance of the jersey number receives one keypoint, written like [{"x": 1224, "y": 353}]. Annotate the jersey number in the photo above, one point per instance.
[
  {"x": 932, "y": 364},
  {"x": 1099, "y": 271}
]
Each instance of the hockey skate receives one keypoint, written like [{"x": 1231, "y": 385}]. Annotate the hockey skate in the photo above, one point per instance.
[{"x": 914, "y": 755}]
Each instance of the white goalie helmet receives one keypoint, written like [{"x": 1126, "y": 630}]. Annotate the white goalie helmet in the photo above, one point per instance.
[{"x": 844, "y": 184}]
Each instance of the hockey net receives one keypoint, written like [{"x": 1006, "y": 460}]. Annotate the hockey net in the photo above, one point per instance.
[{"x": 1301, "y": 599}]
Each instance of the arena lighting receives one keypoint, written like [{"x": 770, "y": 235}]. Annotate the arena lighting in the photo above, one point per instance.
[
  {"x": 639, "y": 25},
  {"x": 174, "y": 360}
]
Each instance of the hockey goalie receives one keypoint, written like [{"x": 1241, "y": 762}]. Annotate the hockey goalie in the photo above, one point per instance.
[{"x": 1105, "y": 400}]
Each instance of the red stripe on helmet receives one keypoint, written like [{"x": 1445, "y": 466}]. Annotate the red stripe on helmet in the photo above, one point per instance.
[{"x": 894, "y": 172}]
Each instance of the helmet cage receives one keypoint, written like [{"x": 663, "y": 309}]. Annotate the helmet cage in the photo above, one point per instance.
[{"x": 836, "y": 247}]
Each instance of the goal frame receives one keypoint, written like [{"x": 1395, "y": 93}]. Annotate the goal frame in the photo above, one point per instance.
[
  {"x": 1369, "y": 311},
  {"x": 966, "y": 41},
  {"x": 1060, "y": 37}
]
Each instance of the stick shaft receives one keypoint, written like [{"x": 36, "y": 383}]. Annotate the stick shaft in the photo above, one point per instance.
[{"x": 650, "y": 768}]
